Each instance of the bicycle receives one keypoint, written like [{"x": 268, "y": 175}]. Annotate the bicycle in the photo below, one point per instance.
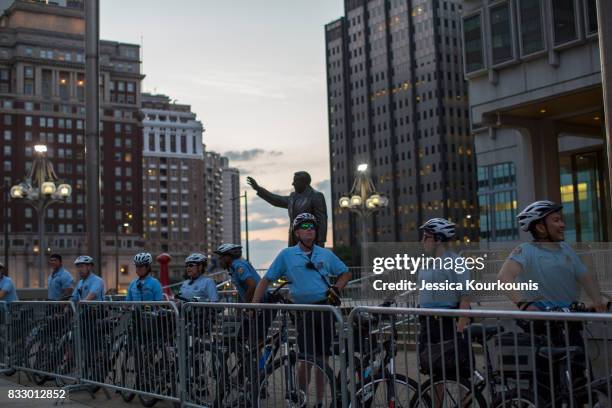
[{"x": 562, "y": 386}]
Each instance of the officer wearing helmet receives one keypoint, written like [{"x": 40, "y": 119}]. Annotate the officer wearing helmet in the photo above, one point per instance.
[
  {"x": 198, "y": 286},
  {"x": 549, "y": 262},
  {"x": 91, "y": 286},
  {"x": 243, "y": 275},
  {"x": 145, "y": 287},
  {"x": 8, "y": 293}
]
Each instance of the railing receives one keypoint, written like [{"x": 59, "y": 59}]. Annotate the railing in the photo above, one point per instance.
[{"x": 239, "y": 355}]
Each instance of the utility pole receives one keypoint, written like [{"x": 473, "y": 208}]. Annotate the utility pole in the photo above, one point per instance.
[{"x": 92, "y": 128}]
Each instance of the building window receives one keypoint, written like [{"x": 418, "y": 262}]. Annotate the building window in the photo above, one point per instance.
[
  {"x": 151, "y": 142},
  {"x": 564, "y": 21},
  {"x": 532, "y": 37},
  {"x": 8, "y": 135},
  {"x": 591, "y": 14},
  {"x": 497, "y": 202},
  {"x": 472, "y": 38},
  {"x": 501, "y": 34}
]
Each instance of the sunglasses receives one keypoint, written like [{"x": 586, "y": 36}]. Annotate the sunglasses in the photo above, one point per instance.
[
  {"x": 191, "y": 265},
  {"x": 307, "y": 226}
]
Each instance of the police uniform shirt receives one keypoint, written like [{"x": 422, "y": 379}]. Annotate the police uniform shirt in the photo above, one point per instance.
[
  {"x": 57, "y": 282},
  {"x": 147, "y": 289},
  {"x": 307, "y": 285},
  {"x": 6, "y": 285},
  {"x": 240, "y": 272},
  {"x": 92, "y": 284},
  {"x": 439, "y": 274},
  {"x": 202, "y": 287},
  {"x": 556, "y": 270}
]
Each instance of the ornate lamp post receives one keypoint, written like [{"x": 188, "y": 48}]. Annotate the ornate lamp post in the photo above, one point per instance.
[
  {"x": 363, "y": 200},
  {"x": 40, "y": 189}
]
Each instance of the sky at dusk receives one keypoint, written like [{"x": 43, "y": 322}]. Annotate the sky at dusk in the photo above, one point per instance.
[{"x": 254, "y": 73}]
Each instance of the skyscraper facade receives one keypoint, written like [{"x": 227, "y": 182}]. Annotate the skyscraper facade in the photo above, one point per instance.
[
  {"x": 173, "y": 189},
  {"x": 42, "y": 91},
  {"x": 397, "y": 100},
  {"x": 231, "y": 204}
]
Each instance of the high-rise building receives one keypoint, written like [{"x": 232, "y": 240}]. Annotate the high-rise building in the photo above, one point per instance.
[
  {"x": 231, "y": 203},
  {"x": 214, "y": 200},
  {"x": 537, "y": 114},
  {"x": 42, "y": 90},
  {"x": 398, "y": 101},
  {"x": 173, "y": 188}
]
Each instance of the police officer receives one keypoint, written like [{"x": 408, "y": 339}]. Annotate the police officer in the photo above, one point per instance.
[
  {"x": 145, "y": 287},
  {"x": 548, "y": 261},
  {"x": 91, "y": 286},
  {"x": 60, "y": 281},
  {"x": 198, "y": 285},
  {"x": 8, "y": 293},
  {"x": 436, "y": 234},
  {"x": 308, "y": 267},
  {"x": 243, "y": 275}
]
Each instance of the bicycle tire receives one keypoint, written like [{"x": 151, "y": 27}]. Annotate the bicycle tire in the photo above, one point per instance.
[
  {"x": 512, "y": 399},
  {"x": 424, "y": 399},
  {"x": 147, "y": 401},
  {"x": 375, "y": 384},
  {"x": 301, "y": 400}
]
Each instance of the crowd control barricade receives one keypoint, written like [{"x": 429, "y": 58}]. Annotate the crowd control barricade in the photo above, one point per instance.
[
  {"x": 132, "y": 347},
  {"x": 270, "y": 355},
  {"x": 43, "y": 340},
  {"x": 5, "y": 343},
  {"x": 419, "y": 358}
]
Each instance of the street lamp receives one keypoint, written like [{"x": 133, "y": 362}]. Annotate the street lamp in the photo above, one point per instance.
[
  {"x": 363, "y": 199},
  {"x": 40, "y": 189},
  {"x": 118, "y": 231}
]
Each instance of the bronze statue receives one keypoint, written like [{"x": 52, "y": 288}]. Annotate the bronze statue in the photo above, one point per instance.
[{"x": 303, "y": 199}]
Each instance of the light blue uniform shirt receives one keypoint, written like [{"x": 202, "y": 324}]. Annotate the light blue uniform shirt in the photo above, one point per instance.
[
  {"x": 6, "y": 285},
  {"x": 440, "y": 272},
  {"x": 307, "y": 285},
  {"x": 555, "y": 270},
  {"x": 203, "y": 287},
  {"x": 92, "y": 284},
  {"x": 240, "y": 272},
  {"x": 58, "y": 282},
  {"x": 148, "y": 290}
]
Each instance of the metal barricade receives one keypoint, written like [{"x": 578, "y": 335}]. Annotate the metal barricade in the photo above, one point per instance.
[
  {"x": 5, "y": 343},
  {"x": 272, "y": 355},
  {"x": 418, "y": 358},
  {"x": 132, "y": 347},
  {"x": 43, "y": 341}
]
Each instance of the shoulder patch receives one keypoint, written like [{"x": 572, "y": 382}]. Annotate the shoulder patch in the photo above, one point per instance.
[
  {"x": 240, "y": 269},
  {"x": 517, "y": 250}
]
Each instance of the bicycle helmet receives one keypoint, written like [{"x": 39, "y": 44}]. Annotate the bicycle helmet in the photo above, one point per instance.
[
  {"x": 441, "y": 228},
  {"x": 304, "y": 217},
  {"x": 84, "y": 259},
  {"x": 233, "y": 250},
  {"x": 196, "y": 258},
  {"x": 535, "y": 212},
  {"x": 143, "y": 259}
]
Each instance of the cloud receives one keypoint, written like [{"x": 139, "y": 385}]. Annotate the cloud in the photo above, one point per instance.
[
  {"x": 251, "y": 154},
  {"x": 263, "y": 252},
  {"x": 264, "y": 224},
  {"x": 323, "y": 186}
]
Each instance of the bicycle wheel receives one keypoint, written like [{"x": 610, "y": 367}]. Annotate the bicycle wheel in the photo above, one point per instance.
[
  {"x": 128, "y": 378},
  {"x": 377, "y": 393},
  {"x": 448, "y": 393},
  {"x": 296, "y": 383},
  {"x": 204, "y": 373},
  {"x": 512, "y": 399}
]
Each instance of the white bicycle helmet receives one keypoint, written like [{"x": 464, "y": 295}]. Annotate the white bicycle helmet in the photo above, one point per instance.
[
  {"x": 535, "y": 212},
  {"x": 304, "y": 217},
  {"x": 196, "y": 258},
  {"x": 440, "y": 227},
  {"x": 233, "y": 250},
  {"x": 143, "y": 259},
  {"x": 84, "y": 259}
]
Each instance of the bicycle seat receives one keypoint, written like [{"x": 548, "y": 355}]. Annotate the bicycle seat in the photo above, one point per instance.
[
  {"x": 479, "y": 333},
  {"x": 558, "y": 353}
]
